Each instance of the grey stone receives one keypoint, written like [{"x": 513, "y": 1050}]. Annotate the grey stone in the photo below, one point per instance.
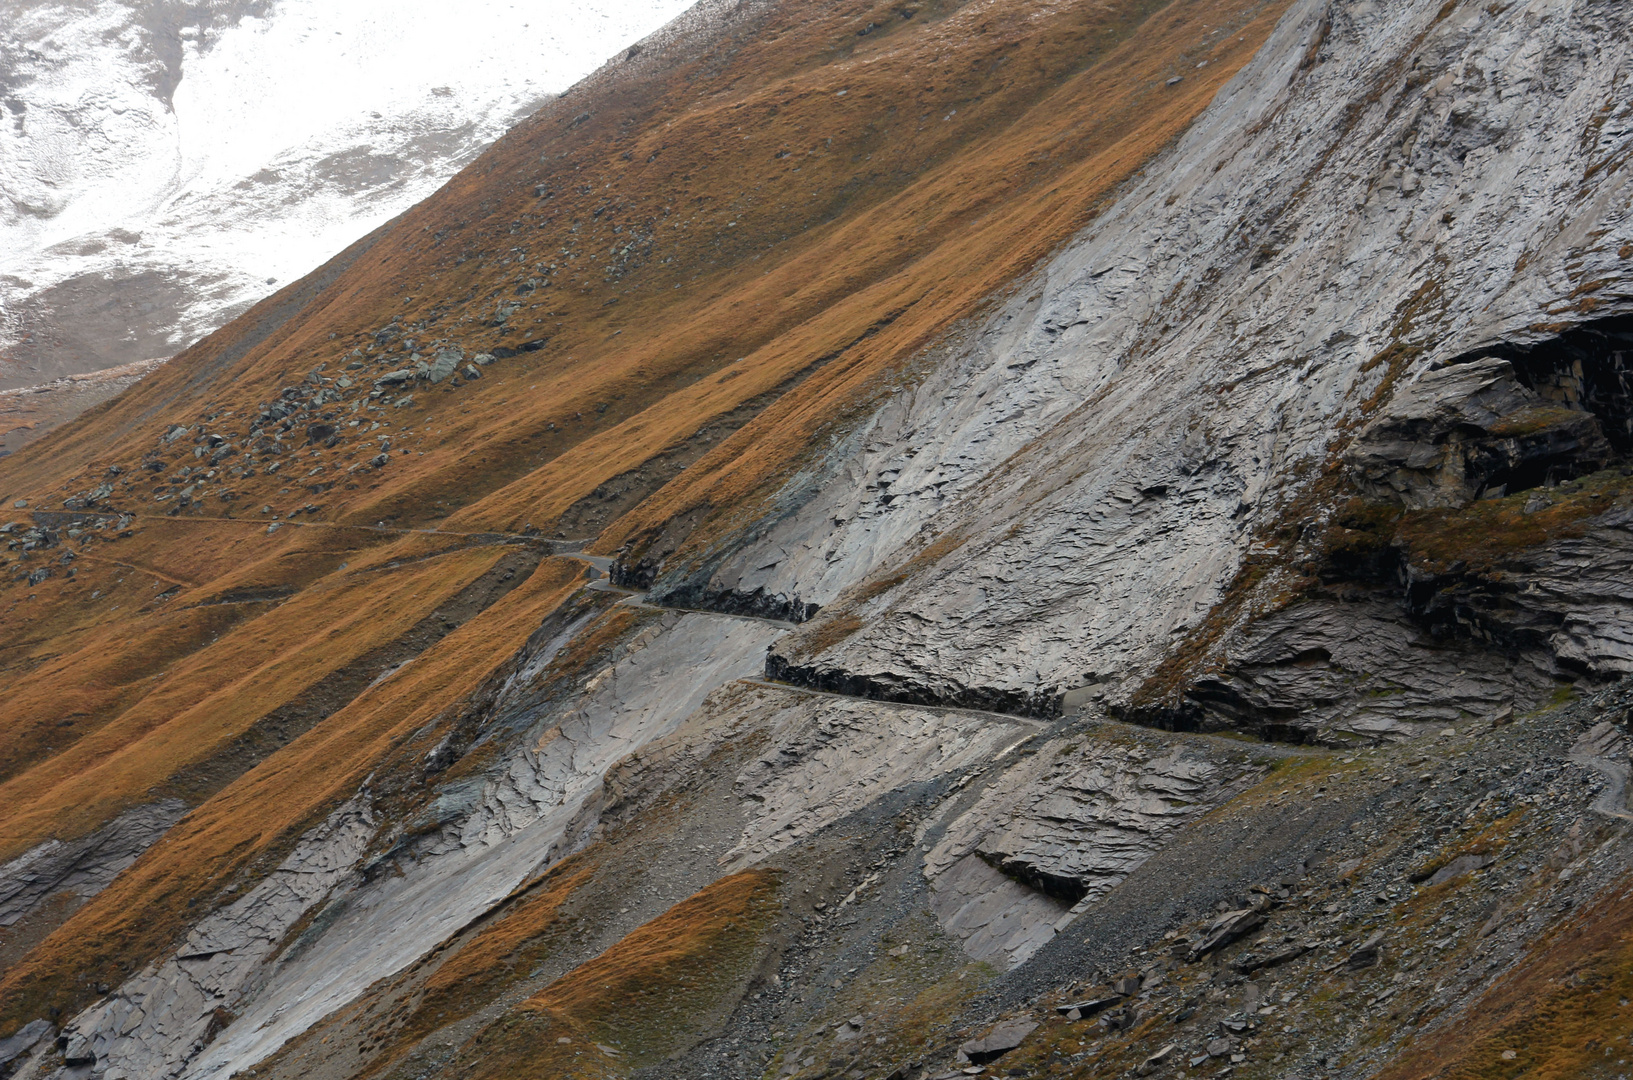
[
  {"x": 1463, "y": 864},
  {"x": 1368, "y": 953},
  {"x": 1089, "y": 1007},
  {"x": 1157, "y": 1060},
  {"x": 445, "y": 364},
  {"x": 26, "y": 1038},
  {"x": 82, "y": 867},
  {"x": 1226, "y": 929},
  {"x": 1450, "y": 434},
  {"x": 998, "y": 1042}
]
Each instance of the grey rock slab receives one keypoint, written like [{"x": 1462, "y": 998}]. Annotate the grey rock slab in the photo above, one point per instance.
[
  {"x": 995, "y": 917},
  {"x": 831, "y": 756},
  {"x": 1451, "y": 433},
  {"x": 999, "y": 1041},
  {"x": 153, "y": 1025},
  {"x": 83, "y": 867},
  {"x": 1075, "y": 818},
  {"x": 25, "y": 1040}
]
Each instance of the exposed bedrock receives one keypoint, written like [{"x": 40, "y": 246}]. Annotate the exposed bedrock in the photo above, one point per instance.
[
  {"x": 1470, "y": 429},
  {"x": 1136, "y": 458},
  {"x": 82, "y": 867},
  {"x": 1068, "y": 490},
  {"x": 896, "y": 687}
]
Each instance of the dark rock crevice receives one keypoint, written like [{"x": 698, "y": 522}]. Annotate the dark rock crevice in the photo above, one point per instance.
[{"x": 1588, "y": 367}]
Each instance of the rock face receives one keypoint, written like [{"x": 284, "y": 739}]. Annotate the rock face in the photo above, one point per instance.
[
  {"x": 839, "y": 639},
  {"x": 1466, "y": 430}
]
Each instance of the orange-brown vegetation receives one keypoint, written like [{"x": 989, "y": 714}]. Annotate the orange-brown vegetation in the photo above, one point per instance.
[
  {"x": 1560, "y": 1013},
  {"x": 259, "y": 815},
  {"x": 652, "y": 993}
]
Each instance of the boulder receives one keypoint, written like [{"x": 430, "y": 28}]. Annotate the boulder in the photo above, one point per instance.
[
  {"x": 999, "y": 1041},
  {"x": 1156, "y": 1061},
  {"x": 1226, "y": 929},
  {"x": 1368, "y": 953},
  {"x": 1463, "y": 864},
  {"x": 447, "y": 360}
]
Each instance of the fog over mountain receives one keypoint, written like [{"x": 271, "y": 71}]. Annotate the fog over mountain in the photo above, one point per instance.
[{"x": 164, "y": 164}]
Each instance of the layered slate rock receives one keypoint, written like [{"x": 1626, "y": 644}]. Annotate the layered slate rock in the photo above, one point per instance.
[{"x": 1472, "y": 429}]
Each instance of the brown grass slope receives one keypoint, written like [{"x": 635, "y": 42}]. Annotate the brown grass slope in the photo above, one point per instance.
[{"x": 813, "y": 189}]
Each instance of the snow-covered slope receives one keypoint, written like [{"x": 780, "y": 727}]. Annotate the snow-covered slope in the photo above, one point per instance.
[{"x": 164, "y": 164}]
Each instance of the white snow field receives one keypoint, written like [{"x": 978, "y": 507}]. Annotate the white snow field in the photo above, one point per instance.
[{"x": 165, "y": 163}]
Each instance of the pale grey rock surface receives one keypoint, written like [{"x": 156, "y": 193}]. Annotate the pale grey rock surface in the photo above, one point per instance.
[
  {"x": 82, "y": 867},
  {"x": 156, "y": 1022},
  {"x": 526, "y": 816}
]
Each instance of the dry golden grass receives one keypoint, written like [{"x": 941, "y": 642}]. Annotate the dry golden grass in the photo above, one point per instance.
[
  {"x": 649, "y": 995},
  {"x": 1562, "y": 1010},
  {"x": 146, "y": 908}
]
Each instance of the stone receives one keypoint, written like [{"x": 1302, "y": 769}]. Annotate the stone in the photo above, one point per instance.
[
  {"x": 1453, "y": 433},
  {"x": 394, "y": 378},
  {"x": 1463, "y": 864},
  {"x": 1120, "y": 1019},
  {"x": 1088, "y": 1007},
  {"x": 1251, "y": 962},
  {"x": 1156, "y": 1060},
  {"x": 1127, "y": 986},
  {"x": 26, "y": 1038},
  {"x": 76, "y": 1049},
  {"x": 446, "y": 362},
  {"x": 1226, "y": 929},
  {"x": 999, "y": 1041},
  {"x": 1368, "y": 953},
  {"x": 1218, "y": 1047}
]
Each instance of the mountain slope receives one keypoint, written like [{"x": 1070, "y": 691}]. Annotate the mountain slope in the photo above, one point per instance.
[{"x": 809, "y": 417}]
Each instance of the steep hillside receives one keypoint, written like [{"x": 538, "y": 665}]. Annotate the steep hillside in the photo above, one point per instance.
[{"x": 876, "y": 540}]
